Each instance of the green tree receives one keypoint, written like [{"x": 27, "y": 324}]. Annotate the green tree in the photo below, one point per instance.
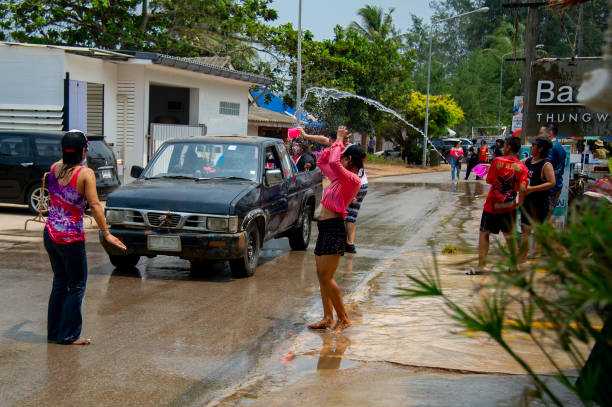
[
  {"x": 182, "y": 27},
  {"x": 375, "y": 23}
]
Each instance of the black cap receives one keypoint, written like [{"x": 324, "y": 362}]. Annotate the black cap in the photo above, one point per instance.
[
  {"x": 354, "y": 151},
  {"x": 74, "y": 141},
  {"x": 542, "y": 141}
]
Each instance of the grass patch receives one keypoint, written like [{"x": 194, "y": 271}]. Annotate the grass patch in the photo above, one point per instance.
[{"x": 450, "y": 249}]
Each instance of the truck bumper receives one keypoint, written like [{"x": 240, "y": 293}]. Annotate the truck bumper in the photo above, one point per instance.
[{"x": 194, "y": 246}]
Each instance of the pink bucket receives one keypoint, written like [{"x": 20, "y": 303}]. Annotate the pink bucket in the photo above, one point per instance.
[
  {"x": 294, "y": 132},
  {"x": 481, "y": 170}
]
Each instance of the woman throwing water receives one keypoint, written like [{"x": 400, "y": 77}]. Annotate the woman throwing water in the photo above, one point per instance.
[
  {"x": 71, "y": 188},
  {"x": 341, "y": 164}
]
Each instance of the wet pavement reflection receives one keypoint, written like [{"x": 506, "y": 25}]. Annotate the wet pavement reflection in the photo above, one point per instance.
[{"x": 166, "y": 334}]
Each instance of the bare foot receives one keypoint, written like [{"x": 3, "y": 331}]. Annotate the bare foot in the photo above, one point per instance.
[
  {"x": 81, "y": 341},
  {"x": 341, "y": 325},
  {"x": 322, "y": 324}
]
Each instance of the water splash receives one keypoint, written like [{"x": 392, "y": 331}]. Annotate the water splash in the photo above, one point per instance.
[{"x": 324, "y": 96}]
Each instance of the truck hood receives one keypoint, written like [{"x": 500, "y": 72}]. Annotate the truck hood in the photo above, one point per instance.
[{"x": 211, "y": 196}]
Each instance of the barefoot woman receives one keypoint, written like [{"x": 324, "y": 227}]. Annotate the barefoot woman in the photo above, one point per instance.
[
  {"x": 340, "y": 164},
  {"x": 71, "y": 187}
]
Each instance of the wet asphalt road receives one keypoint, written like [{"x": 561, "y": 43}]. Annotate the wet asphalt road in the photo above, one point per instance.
[{"x": 168, "y": 336}]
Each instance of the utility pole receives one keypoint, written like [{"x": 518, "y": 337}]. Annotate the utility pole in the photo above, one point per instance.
[
  {"x": 531, "y": 36},
  {"x": 298, "y": 99},
  {"x": 580, "y": 30}
]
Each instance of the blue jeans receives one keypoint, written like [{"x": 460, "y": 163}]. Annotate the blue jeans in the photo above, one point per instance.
[
  {"x": 69, "y": 264},
  {"x": 455, "y": 165}
]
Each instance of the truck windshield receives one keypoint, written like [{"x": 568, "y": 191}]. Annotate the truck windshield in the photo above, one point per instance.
[{"x": 204, "y": 160}]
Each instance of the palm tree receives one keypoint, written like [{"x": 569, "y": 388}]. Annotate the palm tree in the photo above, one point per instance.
[{"x": 375, "y": 23}]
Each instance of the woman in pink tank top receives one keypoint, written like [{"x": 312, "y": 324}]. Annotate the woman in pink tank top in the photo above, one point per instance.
[
  {"x": 341, "y": 164},
  {"x": 71, "y": 188}
]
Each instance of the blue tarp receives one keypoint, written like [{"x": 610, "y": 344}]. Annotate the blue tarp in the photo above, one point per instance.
[{"x": 276, "y": 104}]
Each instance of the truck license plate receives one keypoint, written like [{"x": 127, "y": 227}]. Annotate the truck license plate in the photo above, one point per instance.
[
  {"x": 107, "y": 174},
  {"x": 164, "y": 243}
]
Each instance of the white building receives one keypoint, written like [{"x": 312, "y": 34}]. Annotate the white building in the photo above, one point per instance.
[{"x": 134, "y": 99}]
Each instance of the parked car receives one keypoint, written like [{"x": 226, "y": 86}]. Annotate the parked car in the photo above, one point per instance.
[
  {"x": 392, "y": 153},
  {"x": 444, "y": 146},
  {"x": 26, "y": 155},
  {"x": 213, "y": 198},
  {"x": 101, "y": 159}
]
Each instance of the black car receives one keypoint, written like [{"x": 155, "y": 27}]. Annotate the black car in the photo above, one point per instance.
[
  {"x": 213, "y": 198},
  {"x": 26, "y": 155}
]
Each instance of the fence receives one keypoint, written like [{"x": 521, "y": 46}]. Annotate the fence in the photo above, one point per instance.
[{"x": 164, "y": 132}]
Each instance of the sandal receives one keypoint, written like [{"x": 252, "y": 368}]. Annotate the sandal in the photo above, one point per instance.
[{"x": 476, "y": 272}]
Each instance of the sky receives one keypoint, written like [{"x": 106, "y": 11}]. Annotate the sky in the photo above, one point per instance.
[{"x": 321, "y": 16}]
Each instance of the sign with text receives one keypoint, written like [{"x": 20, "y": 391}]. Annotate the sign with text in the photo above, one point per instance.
[
  {"x": 517, "y": 113},
  {"x": 555, "y": 87}
]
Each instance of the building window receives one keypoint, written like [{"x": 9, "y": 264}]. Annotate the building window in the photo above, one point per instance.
[{"x": 229, "y": 108}]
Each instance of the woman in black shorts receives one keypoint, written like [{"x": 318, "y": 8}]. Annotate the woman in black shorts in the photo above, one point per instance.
[
  {"x": 541, "y": 176},
  {"x": 341, "y": 164}
]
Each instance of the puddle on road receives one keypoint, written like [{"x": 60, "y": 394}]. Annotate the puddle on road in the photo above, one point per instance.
[{"x": 391, "y": 328}]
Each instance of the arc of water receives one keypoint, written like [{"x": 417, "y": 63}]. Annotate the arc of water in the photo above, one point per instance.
[{"x": 323, "y": 95}]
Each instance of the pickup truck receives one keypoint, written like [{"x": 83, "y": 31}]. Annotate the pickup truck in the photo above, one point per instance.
[{"x": 213, "y": 198}]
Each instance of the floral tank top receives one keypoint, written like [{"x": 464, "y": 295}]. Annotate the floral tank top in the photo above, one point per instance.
[{"x": 65, "y": 220}]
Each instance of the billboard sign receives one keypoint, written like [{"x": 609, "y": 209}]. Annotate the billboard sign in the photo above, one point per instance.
[{"x": 555, "y": 87}]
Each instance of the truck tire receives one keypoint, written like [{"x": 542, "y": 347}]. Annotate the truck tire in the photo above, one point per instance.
[
  {"x": 299, "y": 236},
  {"x": 34, "y": 197},
  {"x": 123, "y": 262},
  {"x": 245, "y": 266}
]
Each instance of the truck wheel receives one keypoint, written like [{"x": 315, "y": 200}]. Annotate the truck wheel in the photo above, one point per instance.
[
  {"x": 34, "y": 197},
  {"x": 124, "y": 261},
  {"x": 299, "y": 236},
  {"x": 245, "y": 267}
]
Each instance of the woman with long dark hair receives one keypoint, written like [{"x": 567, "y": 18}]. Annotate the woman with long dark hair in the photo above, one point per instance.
[
  {"x": 341, "y": 164},
  {"x": 71, "y": 188}
]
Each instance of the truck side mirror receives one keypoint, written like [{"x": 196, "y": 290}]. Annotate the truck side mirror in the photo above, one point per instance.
[
  {"x": 136, "y": 171},
  {"x": 273, "y": 177}
]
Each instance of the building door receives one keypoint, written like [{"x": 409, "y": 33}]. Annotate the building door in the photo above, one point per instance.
[{"x": 77, "y": 105}]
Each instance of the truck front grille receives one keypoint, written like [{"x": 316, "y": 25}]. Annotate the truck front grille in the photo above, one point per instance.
[{"x": 161, "y": 219}]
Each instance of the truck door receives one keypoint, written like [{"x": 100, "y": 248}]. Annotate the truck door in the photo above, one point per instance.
[
  {"x": 291, "y": 188},
  {"x": 274, "y": 196}
]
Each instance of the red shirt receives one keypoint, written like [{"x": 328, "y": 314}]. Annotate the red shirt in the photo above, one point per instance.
[
  {"x": 345, "y": 184},
  {"x": 483, "y": 154},
  {"x": 505, "y": 175}
]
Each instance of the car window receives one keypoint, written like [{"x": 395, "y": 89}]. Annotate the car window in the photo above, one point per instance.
[
  {"x": 271, "y": 160},
  {"x": 287, "y": 162},
  {"x": 98, "y": 149},
  {"x": 48, "y": 148},
  {"x": 14, "y": 146},
  {"x": 204, "y": 160}
]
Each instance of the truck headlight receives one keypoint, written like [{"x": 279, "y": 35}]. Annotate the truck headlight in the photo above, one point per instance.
[
  {"x": 217, "y": 224},
  {"x": 114, "y": 216},
  {"x": 233, "y": 224}
]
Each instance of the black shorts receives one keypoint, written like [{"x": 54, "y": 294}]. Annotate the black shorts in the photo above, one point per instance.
[
  {"x": 332, "y": 237},
  {"x": 498, "y": 222},
  {"x": 534, "y": 212}
]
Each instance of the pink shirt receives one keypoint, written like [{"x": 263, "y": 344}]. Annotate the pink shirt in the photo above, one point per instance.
[
  {"x": 345, "y": 184},
  {"x": 457, "y": 153}
]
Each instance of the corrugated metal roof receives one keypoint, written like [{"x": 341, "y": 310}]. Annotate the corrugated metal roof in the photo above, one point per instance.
[
  {"x": 88, "y": 52},
  {"x": 224, "y": 62},
  {"x": 190, "y": 64}
]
